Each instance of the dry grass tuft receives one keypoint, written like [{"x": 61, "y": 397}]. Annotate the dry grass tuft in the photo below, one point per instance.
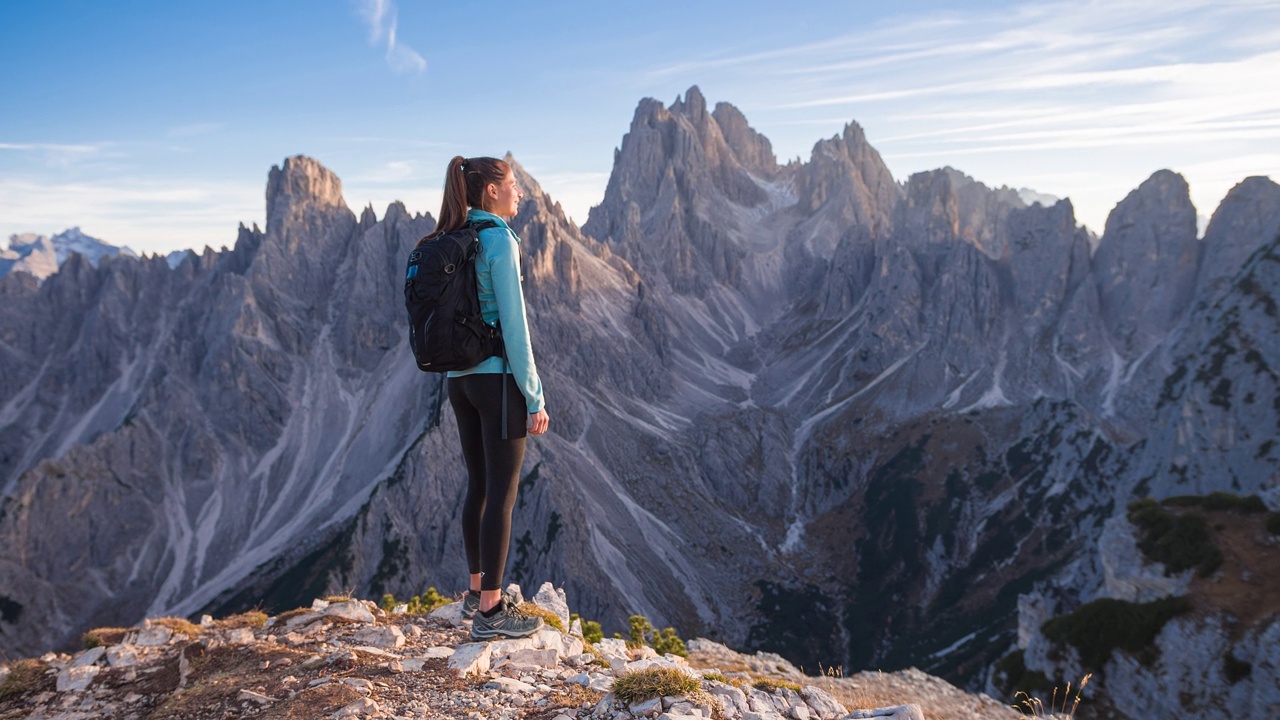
[
  {"x": 252, "y": 619},
  {"x": 772, "y": 685},
  {"x": 547, "y": 616},
  {"x": 105, "y": 636},
  {"x": 1057, "y": 707},
  {"x": 291, "y": 614},
  {"x": 180, "y": 625},
  {"x": 24, "y": 677},
  {"x": 654, "y": 682}
]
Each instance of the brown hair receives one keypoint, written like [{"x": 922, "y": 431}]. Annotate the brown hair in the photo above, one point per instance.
[{"x": 464, "y": 183}]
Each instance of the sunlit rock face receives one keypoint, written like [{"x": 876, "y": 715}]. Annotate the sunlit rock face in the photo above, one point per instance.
[{"x": 804, "y": 408}]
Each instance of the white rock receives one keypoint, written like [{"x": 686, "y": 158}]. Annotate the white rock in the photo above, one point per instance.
[
  {"x": 822, "y": 703},
  {"x": 731, "y": 697},
  {"x": 411, "y": 630},
  {"x": 363, "y": 706},
  {"x": 360, "y": 684},
  {"x": 240, "y": 636},
  {"x": 899, "y": 712},
  {"x": 644, "y": 652},
  {"x": 612, "y": 646},
  {"x": 351, "y": 610},
  {"x": 506, "y": 647},
  {"x": 438, "y": 652},
  {"x": 580, "y": 679},
  {"x": 381, "y": 636},
  {"x": 153, "y": 636},
  {"x": 255, "y": 697},
  {"x": 76, "y": 677},
  {"x": 400, "y": 609},
  {"x": 513, "y": 591},
  {"x": 552, "y": 598},
  {"x": 4, "y": 673},
  {"x": 1127, "y": 572},
  {"x": 451, "y": 613},
  {"x": 601, "y": 684},
  {"x": 378, "y": 652},
  {"x": 471, "y": 658},
  {"x": 646, "y": 708},
  {"x": 89, "y": 657},
  {"x": 538, "y": 658},
  {"x": 319, "y": 604},
  {"x": 679, "y": 716},
  {"x": 206, "y": 621},
  {"x": 660, "y": 662},
  {"x": 509, "y": 685},
  {"x": 800, "y": 711},
  {"x": 304, "y": 619}
]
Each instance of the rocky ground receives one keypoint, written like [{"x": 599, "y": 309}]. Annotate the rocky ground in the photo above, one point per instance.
[{"x": 348, "y": 658}]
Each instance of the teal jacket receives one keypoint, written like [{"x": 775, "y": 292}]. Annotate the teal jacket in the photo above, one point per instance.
[{"x": 502, "y": 298}]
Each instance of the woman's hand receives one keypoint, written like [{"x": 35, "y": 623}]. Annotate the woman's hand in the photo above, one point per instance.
[{"x": 538, "y": 422}]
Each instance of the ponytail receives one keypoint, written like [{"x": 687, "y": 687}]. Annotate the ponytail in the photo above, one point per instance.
[{"x": 465, "y": 180}]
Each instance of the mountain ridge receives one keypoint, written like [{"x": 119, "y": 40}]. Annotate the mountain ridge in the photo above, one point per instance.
[{"x": 880, "y": 390}]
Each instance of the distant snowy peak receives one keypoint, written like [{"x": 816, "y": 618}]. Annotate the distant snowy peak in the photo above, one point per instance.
[
  {"x": 1031, "y": 197},
  {"x": 41, "y": 255},
  {"x": 74, "y": 241}
]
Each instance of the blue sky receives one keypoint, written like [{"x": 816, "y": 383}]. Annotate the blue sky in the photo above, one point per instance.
[{"x": 153, "y": 124}]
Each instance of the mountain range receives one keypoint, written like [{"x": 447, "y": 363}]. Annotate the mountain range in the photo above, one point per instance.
[{"x": 804, "y": 408}]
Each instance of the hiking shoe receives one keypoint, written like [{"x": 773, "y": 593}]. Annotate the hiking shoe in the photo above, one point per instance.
[
  {"x": 507, "y": 622},
  {"x": 471, "y": 602}
]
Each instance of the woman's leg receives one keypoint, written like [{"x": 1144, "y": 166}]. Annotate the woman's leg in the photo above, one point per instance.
[
  {"x": 469, "y": 432},
  {"x": 490, "y": 501}
]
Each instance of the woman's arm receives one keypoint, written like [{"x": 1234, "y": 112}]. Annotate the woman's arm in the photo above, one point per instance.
[{"x": 504, "y": 266}]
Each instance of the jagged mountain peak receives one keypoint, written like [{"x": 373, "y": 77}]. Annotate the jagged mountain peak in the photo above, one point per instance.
[
  {"x": 300, "y": 185},
  {"x": 1248, "y": 215},
  {"x": 1146, "y": 262}
]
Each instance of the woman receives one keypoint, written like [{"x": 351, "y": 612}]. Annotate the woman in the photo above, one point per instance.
[{"x": 476, "y": 190}]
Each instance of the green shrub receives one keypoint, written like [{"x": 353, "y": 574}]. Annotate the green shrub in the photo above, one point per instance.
[
  {"x": 591, "y": 631},
  {"x": 1012, "y": 674},
  {"x": 1236, "y": 669},
  {"x": 418, "y": 604},
  {"x": 1251, "y": 504},
  {"x": 654, "y": 682},
  {"x": 1180, "y": 541},
  {"x": 663, "y": 642},
  {"x": 1099, "y": 627}
]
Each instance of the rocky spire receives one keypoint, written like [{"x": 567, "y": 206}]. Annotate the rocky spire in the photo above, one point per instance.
[
  {"x": 1146, "y": 264},
  {"x": 1248, "y": 218}
]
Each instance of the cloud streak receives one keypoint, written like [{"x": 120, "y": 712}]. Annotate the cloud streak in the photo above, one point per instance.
[
  {"x": 1092, "y": 88},
  {"x": 382, "y": 19}
]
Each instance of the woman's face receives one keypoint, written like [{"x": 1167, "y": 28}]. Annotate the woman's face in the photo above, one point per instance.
[{"x": 503, "y": 198}]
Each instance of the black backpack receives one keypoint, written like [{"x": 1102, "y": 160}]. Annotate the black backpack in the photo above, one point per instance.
[{"x": 446, "y": 331}]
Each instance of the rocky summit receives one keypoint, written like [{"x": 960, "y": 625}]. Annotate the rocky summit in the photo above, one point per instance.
[
  {"x": 804, "y": 408},
  {"x": 347, "y": 658}
]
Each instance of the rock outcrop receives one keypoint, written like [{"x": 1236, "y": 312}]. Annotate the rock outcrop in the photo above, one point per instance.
[{"x": 345, "y": 658}]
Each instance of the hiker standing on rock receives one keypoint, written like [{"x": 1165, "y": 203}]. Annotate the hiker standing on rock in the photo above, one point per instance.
[{"x": 478, "y": 190}]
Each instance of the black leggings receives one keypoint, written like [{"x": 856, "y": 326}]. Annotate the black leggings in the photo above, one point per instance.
[{"x": 493, "y": 468}]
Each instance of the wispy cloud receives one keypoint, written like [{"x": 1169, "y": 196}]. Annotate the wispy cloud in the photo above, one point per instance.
[
  {"x": 1124, "y": 88},
  {"x": 382, "y": 19},
  {"x": 140, "y": 213}
]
